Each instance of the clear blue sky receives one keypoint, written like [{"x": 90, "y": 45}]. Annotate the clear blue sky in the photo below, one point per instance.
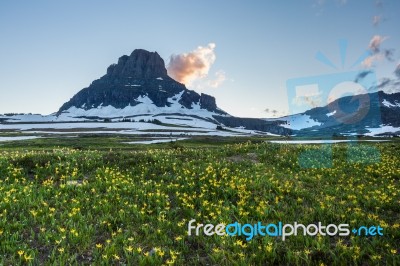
[{"x": 49, "y": 50}]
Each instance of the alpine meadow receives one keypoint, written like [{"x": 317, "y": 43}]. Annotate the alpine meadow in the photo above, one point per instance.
[{"x": 200, "y": 133}]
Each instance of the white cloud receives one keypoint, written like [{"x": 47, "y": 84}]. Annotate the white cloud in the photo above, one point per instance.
[
  {"x": 188, "y": 67},
  {"x": 220, "y": 77},
  {"x": 375, "y": 43},
  {"x": 375, "y": 48}
]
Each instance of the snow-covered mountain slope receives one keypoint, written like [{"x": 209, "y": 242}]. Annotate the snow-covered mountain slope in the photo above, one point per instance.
[
  {"x": 144, "y": 107},
  {"x": 138, "y": 88},
  {"x": 145, "y": 110},
  {"x": 373, "y": 114}
]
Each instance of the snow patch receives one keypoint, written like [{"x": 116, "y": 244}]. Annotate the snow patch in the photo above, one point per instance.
[
  {"x": 298, "y": 122},
  {"x": 331, "y": 113},
  {"x": 329, "y": 141},
  {"x": 381, "y": 130},
  {"x": 155, "y": 141},
  {"x": 145, "y": 100},
  {"x": 17, "y": 138},
  {"x": 389, "y": 104}
]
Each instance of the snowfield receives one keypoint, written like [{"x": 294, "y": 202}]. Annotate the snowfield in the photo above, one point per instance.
[
  {"x": 329, "y": 141},
  {"x": 145, "y": 107},
  {"x": 136, "y": 126},
  {"x": 148, "y": 119},
  {"x": 382, "y": 129},
  {"x": 176, "y": 115},
  {"x": 155, "y": 141},
  {"x": 124, "y": 128},
  {"x": 17, "y": 138}
]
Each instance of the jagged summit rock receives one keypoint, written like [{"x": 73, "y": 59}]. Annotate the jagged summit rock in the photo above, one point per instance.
[
  {"x": 140, "y": 64},
  {"x": 138, "y": 79}
]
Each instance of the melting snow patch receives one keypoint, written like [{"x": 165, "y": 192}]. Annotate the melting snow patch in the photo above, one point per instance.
[
  {"x": 298, "y": 122},
  {"x": 329, "y": 141},
  {"x": 331, "y": 113},
  {"x": 144, "y": 99},
  {"x": 196, "y": 106},
  {"x": 154, "y": 141},
  {"x": 382, "y": 129},
  {"x": 17, "y": 138},
  {"x": 389, "y": 104}
]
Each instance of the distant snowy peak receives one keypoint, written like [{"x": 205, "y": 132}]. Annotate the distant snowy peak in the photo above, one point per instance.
[{"x": 379, "y": 115}]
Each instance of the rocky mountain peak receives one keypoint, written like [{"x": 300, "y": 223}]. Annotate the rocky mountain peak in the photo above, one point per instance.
[
  {"x": 141, "y": 64},
  {"x": 141, "y": 75}
]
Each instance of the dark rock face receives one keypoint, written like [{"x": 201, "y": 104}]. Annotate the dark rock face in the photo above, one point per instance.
[
  {"x": 390, "y": 115},
  {"x": 142, "y": 73},
  {"x": 141, "y": 64},
  {"x": 207, "y": 102}
]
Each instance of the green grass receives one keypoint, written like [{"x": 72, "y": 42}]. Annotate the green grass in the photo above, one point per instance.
[
  {"x": 111, "y": 203},
  {"x": 117, "y": 142}
]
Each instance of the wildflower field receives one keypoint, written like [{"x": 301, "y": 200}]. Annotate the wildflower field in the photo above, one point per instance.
[{"x": 68, "y": 206}]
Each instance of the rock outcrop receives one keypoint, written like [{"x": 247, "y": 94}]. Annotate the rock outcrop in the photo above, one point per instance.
[{"x": 141, "y": 64}]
